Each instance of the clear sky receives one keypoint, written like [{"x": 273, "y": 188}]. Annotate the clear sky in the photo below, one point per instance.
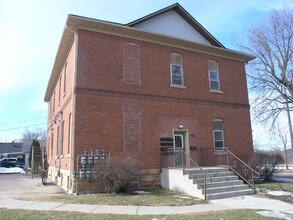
[{"x": 31, "y": 31}]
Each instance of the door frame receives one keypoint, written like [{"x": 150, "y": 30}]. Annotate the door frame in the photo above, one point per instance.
[{"x": 184, "y": 133}]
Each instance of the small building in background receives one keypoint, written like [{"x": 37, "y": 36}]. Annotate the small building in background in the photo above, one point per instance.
[{"x": 19, "y": 149}]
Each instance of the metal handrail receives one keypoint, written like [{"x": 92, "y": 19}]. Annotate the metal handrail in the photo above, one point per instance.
[
  {"x": 205, "y": 175},
  {"x": 258, "y": 175},
  {"x": 244, "y": 164}
]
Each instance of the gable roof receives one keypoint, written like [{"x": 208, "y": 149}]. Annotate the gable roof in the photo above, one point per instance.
[
  {"x": 186, "y": 16},
  {"x": 10, "y": 147}
]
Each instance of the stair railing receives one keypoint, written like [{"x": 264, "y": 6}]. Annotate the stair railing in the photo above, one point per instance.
[
  {"x": 205, "y": 174},
  {"x": 242, "y": 169}
]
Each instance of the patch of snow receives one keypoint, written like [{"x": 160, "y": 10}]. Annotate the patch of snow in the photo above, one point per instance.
[
  {"x": 279, "y": 193},
  {"x": 282, "y": 179},
  {"x": 4, "y": 170},
  {"x": 183, "y": 197},
  {"x": 276, "y": 214},
  {"x": 141, "y": 192}
]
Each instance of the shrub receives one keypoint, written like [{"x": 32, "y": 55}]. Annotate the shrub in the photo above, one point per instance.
[
  {"x": 115, "y": 174},
  {"x": 37, "y": 152},
  {"x": 265, "y": 162}
]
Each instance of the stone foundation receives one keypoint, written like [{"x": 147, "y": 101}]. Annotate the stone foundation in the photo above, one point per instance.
[
  {"x": 150, "y": 178},
  {"x": 61, "y": 178}
]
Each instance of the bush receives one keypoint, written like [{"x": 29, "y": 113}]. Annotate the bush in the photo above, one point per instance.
[
  {"x": 115, "y": 174},
  {"x": 265, "y": 162},
  {"x": 37, "y": 152}
]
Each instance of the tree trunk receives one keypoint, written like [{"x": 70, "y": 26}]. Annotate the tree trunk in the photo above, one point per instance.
[{"x": 289, "y": 124}]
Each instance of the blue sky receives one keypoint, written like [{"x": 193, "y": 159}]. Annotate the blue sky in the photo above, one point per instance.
[{"x": 31, "y": 31}]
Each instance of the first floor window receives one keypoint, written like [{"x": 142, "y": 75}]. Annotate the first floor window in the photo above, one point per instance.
[
  {"x": 52, "y": 142},
  {"x": 176, "y": 74},
  {"x": 218, "y": 132}
]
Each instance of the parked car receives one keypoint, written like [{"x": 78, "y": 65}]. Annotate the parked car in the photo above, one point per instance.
[
  {"x": 8, "y": 162},
  {"x": 20, "y": 162}
]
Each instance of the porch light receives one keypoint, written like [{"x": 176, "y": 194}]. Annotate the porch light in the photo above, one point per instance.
[{"x": 180, "y": 126}]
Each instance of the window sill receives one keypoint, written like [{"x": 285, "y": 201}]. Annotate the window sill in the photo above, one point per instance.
[
  {"x": 68, "y": 155},
  {"x": 220, "y": 152},
  {"x": 61, "y": 156},
  {"x": 177, "y": 86},
  {"x": 216, "y": 91}
]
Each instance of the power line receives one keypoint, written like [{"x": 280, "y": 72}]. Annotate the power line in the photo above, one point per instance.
[
  {"x": 23, "y": 121},
  {"x": 8, "y": 129}
]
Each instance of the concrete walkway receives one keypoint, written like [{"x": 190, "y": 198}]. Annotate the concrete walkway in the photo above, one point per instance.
[{"x": 243, "y": 202}]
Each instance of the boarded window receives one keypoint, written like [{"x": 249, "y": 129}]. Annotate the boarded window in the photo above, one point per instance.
[
  {"x": 132, "y": 130},
  {"x": 131, "y": 64}
]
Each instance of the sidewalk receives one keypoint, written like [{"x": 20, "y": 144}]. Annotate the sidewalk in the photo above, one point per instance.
[{"x": 243, "y": 202}]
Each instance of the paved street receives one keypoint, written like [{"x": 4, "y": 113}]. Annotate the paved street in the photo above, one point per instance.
[{"x": 17, "y": 185}]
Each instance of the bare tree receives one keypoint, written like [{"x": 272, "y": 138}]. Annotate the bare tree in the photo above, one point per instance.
[
  {"x": 282, "y": 135},
  {"x": 271, "y": 73},
  {"x": 37, "y": 134}
]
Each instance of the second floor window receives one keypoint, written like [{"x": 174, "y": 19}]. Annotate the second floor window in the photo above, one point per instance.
[
  {"x": 214, "y": 75},
  {"x": 176, "y": 66}
]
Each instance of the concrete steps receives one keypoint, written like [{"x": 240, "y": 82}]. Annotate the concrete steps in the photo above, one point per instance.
[{"x": 224, "y": 183}]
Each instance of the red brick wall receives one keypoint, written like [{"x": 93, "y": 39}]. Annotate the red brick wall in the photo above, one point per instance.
[
  {"x": 64, "y": 105},
  {"x": 100, "y": 65},
  {"x": 99, "y": 118}
]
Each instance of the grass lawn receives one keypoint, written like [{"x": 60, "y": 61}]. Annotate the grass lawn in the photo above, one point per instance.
[
  {"x": 158, "y": 197},
  {"x": 276, "y": 186},
  {"x": 227, "y": 215}
]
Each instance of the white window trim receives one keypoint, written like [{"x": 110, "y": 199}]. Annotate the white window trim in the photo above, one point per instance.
[
  {"x": 214, "y": 90},
  {"x": 182, "y": 76},
  {"x": 217, "y": 140}
]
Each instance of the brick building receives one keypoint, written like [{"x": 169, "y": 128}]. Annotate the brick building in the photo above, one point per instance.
[{"x": 128, "y": 88}]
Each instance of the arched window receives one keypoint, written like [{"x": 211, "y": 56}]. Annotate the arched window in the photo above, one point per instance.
[
  {"x": 61, "y": 137},
  {"x": 52, "y": 143},
  {"x": 58, "y": 142},
  {"x": 176, "y": 68},
  {"x": 214, "y": 75},
  {"x": 69, "y": 134},
  {"x": 59, "y": 95},
  {"x": 218, "y": 133},
  {"x": 64, "y": 80}
]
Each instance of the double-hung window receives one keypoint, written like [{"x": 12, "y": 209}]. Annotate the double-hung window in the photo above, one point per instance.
[
  {"x": 214, "y": 79},
  {"x": 218, "y": 132},
  {"x": 176, "y": 74},
  {"x": 176, "y": 67}
]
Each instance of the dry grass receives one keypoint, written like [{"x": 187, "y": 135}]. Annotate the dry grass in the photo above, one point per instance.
[
  {"x": 158, "y": 197},
  {"x": 276, "y": 186},
  {"x": 36, "y": 215}
]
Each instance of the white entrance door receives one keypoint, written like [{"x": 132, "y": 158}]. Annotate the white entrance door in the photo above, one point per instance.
[{"x": 179, "y": 147}]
